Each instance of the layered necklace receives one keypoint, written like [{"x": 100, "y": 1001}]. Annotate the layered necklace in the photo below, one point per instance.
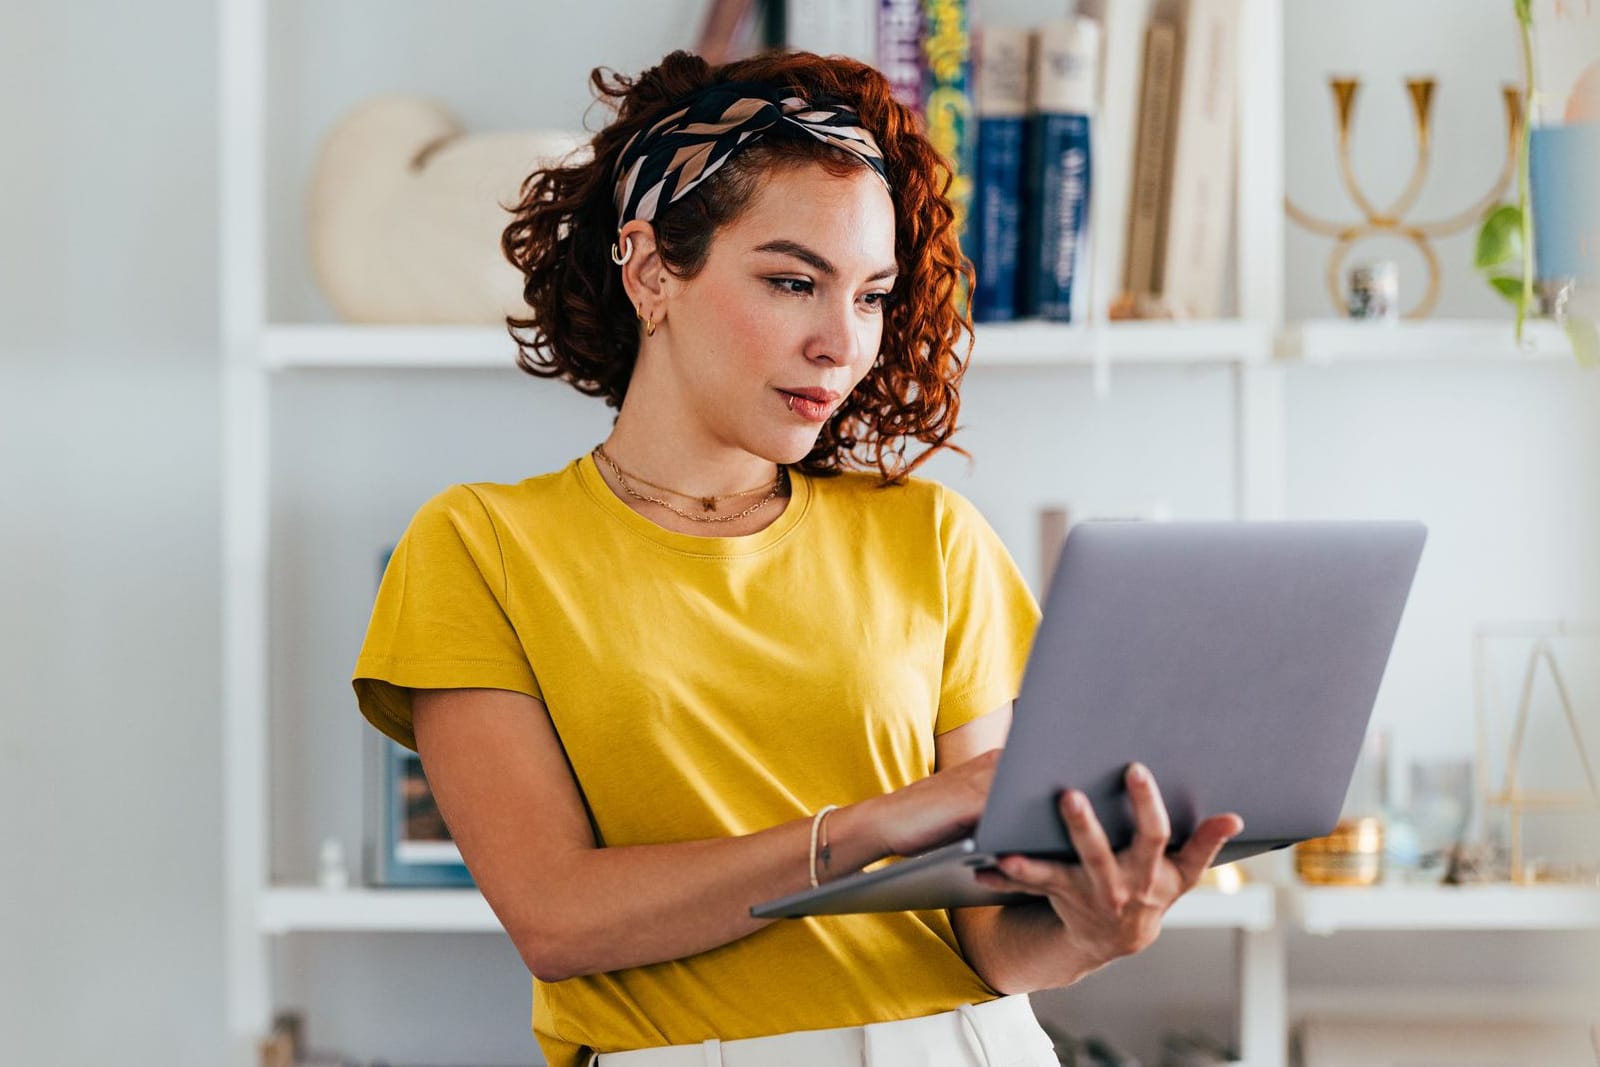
[{"x": 707, "y": 503}]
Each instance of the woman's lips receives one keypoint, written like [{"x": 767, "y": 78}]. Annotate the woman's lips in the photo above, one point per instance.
[{"x": 813, "y": 405}]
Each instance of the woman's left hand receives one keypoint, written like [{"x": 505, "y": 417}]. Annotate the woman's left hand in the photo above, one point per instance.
[{"x": 1111, "y": 903}]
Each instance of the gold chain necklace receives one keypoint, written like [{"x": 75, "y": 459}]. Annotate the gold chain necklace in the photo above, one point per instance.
[{"x": 707, "y": 502}]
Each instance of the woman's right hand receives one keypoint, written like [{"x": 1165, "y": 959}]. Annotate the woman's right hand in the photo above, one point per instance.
[{"x": 931, "y": 811}]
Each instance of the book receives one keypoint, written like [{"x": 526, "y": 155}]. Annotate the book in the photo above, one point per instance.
[
  {"x": 833, "y": 27},
  {"x": 947, "y": 99},
  {"x": 899, "y": 49},
  {"x": 1001, "y": 73},
  {"x": 1113, "y": 136},
  {"x": 1201, "y": 182},
  {"x": 728, "y": 31},
  {"x": 1055, "y": 226},
  {"x": 1152, "y": 145},
  {"x": 1564, "y": 176}
]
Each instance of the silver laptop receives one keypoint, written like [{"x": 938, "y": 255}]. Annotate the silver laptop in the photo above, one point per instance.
[{"x": 1238, "y": 660}]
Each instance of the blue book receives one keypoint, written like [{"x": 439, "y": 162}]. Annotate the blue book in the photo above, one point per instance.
[
  {"x": 1564, "y": 174},
  {"x": 1001, "y": 67},
  {"x": 1058, "y": 213},
  {"x": 1056, "y": 198}
]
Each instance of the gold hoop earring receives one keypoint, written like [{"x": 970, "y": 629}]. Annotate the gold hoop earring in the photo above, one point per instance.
[
  {"x": 621, "y": 257},
  {"x": 649, "y": 324}
]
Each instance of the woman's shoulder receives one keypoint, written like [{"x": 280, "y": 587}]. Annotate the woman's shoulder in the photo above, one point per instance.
[
  {"x": 922, "y": 498},
  {"x": 495, "y": 503}
]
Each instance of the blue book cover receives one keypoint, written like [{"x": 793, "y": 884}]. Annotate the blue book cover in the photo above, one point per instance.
[
  {"x": 1001, "y": 72},
  {"x": 1058, "y": 213},
  {"x": 1564, "y": 176},
  {"x": 1056, "y": 191},
  {"x": 998, "y": 219}
]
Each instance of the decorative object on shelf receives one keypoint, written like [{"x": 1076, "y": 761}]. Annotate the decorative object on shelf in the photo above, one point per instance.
[
  {"x": 1476, "y": 863},
  {"x": 1225, "y": 877},
  {"x": 1558, "y": 173},
  {"x": 1195, "y": 1050},
  {"x": 1436, "y": 816},
  {"x": 408, "y": 843},
  {"x": 1392, "y": 220},
  {"x": 1507, "y": 792},
  {"x": 1351, "y": 855},
  {"x": 405, "y": 211},
  {"x": 1373, "y": 292},
  {"x": 332, "y": 872}
]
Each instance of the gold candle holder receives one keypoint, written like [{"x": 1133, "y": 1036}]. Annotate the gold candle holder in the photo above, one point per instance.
[
  {"x": 1392, "y": 220},
  {"x": 1351, "y": 855}
]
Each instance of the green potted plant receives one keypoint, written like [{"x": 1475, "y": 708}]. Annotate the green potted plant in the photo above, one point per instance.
[{"x": 1504, "y": 252}]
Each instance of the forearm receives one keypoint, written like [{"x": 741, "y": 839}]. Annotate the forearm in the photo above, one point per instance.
[
  {"x": 1021, "y": 948},
  {"x": 604, "y": 909}
]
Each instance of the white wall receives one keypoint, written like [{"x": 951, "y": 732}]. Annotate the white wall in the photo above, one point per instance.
[
  {"x": 110, "y": 913},
  {"x": 110, "y": 940}
]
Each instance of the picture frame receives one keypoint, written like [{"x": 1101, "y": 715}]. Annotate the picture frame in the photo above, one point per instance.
[{"x": 408, "y": 843}]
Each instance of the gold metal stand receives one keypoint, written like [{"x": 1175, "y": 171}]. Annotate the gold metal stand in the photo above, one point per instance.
[{"x": 1392, "y": 220}]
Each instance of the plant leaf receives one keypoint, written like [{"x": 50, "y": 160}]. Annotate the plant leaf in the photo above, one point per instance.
[
  {"x": 1585, "y": 340},
  {"x": 1499, "y": 238},
  {"x": 1508, "y": 286}
]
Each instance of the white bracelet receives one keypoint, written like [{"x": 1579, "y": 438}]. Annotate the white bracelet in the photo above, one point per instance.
[{"x": 816, "y": 825}]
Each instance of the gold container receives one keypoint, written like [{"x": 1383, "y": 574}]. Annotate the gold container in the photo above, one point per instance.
[{"x": 1351, "y": 855}]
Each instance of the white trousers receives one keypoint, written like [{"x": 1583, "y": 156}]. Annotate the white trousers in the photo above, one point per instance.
[{"x": 996, "y": 1033}]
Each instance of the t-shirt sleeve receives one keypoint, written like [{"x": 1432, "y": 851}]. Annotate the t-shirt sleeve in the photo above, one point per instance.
[
  {"x": 440, "y": 619},
  {"x": 991, "y": 617}
]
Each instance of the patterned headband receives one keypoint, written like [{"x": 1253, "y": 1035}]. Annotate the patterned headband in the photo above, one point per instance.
[{"x": 659, "y": 165}]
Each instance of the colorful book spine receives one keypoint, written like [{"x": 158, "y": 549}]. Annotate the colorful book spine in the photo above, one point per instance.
[
  {"x": 1056, "y": 226},
  {"x": 900, "y": 49},
  {"x": 947, "y": 107},
  {"x": 1001, "y": 70}
]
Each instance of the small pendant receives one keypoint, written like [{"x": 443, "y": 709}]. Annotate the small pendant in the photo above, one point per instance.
[{"x": 709, "y": 503}]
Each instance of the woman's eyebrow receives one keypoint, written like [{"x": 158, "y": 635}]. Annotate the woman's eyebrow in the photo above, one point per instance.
[{"x": 814, "y": 260}]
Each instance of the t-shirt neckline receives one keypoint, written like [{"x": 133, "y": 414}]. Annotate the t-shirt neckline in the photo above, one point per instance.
[{"x": 594, "y": 484}]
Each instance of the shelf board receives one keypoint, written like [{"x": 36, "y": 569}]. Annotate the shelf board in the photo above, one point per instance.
[
  {"x": 1329, "y": 909},
  {"x": 292, "y": 909},
  {"x": 1033, "y": 343},
  {"x": 387, "y": 347},
  {"x": 1325, "y": 341},
  {"x": 1011, "y": 344},
  {"x": 1250, "y": 907},
  {"x": 298, "y": 909}
]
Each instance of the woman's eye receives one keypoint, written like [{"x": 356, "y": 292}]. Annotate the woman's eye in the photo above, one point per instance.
[
  {"x": 877, "y": 301},
  {"x": 795, "y": 286}
]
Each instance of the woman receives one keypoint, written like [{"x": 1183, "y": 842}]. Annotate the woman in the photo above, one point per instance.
[{"x": 709, "y": 662}]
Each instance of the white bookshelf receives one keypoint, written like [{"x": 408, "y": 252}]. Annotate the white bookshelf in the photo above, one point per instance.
[
  {"x": 1331, "y": 341},
  {"x": 306, "y": 909},
  {"x": 1329, "y": 909},
  {"x": 1257, "y": 348},
  {"x": 996, "y": 345}
]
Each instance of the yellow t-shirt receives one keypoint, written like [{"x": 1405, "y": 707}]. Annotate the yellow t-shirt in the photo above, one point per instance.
[{"x": 712, "y": 686}]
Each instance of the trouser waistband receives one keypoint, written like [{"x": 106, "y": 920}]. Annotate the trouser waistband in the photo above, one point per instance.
[{"x": 996, "y": 1033}]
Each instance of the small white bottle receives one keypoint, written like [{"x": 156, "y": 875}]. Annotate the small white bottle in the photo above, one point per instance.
[{"x": 332, "y": 873}]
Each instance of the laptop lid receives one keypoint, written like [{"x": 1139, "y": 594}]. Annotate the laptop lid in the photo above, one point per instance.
[{"x": 1238, "y": 660}]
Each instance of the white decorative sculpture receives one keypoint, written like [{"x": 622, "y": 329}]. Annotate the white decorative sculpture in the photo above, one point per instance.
[{"x": 406, "y": 210}]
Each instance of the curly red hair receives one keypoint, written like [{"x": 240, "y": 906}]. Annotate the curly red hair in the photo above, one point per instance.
[{"x": 581, "y": 328}]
